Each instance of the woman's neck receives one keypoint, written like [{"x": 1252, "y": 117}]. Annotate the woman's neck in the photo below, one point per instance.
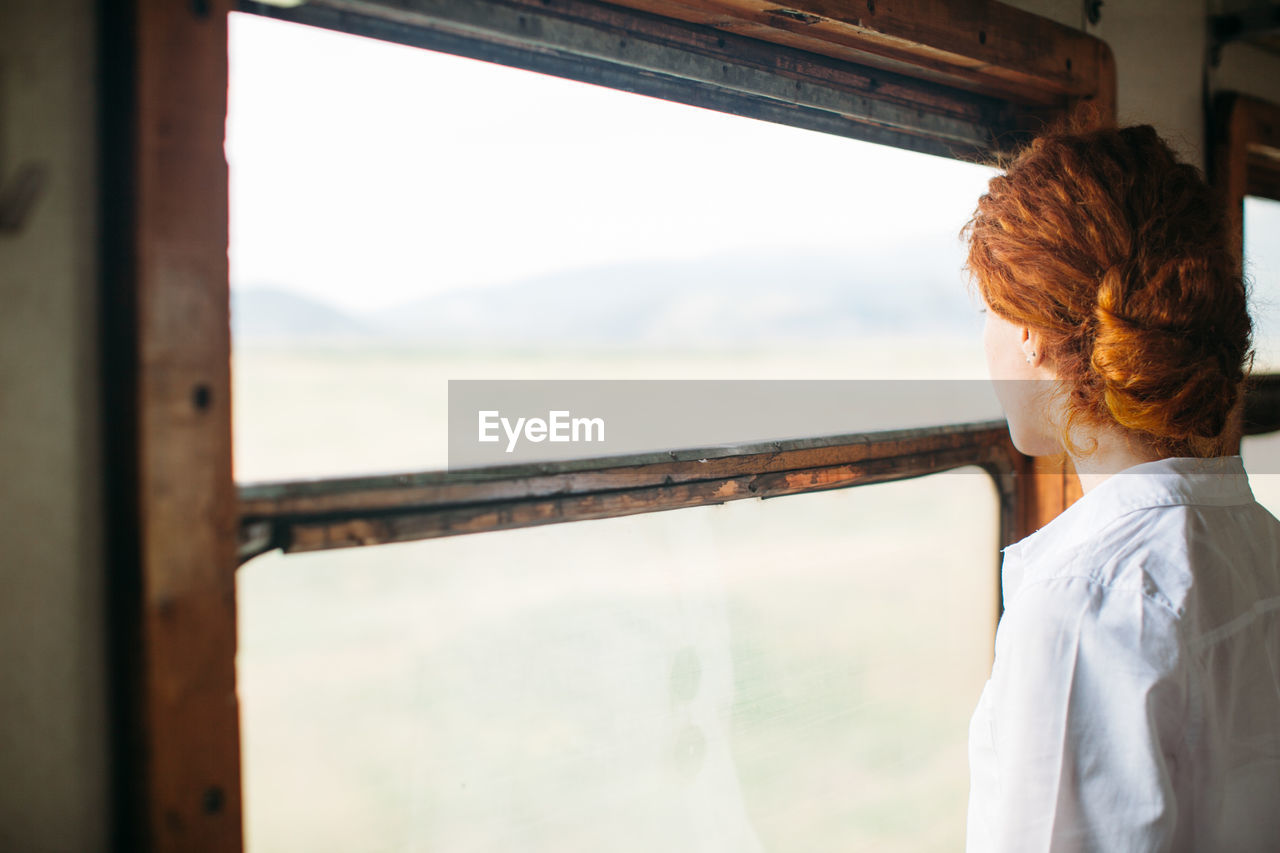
[{"x": 1116, "y": 451}]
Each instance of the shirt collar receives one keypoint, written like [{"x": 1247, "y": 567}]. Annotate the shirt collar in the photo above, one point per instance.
[{"x": 1219, "y": 480}]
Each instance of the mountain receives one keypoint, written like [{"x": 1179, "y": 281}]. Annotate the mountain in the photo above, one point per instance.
[
  {"x": 767, "y": 297},
  {"x": 262, "y": 314},
  {"x": 764, "y": 297}
]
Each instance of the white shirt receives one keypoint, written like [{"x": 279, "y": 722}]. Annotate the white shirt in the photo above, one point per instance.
[{"x": 1134, "y": 702}]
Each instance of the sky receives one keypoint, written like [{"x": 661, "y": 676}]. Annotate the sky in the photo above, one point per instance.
[{"x": 368, "y": 174}]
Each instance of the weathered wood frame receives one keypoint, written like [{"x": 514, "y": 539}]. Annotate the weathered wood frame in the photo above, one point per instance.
[
  {"x": 171, "y": 501},
  {"x": 339, "y": 513},
  {"x": 1244, "y": 159},
  {"x": 918, "y": 75},
  {"x": 1245, "y": 155}
]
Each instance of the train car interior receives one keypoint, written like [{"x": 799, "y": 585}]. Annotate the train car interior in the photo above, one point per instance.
[{"x": 255, "y": 253}]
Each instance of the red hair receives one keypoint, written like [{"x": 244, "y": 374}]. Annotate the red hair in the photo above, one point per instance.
[{"x": 1118, "y": 254}]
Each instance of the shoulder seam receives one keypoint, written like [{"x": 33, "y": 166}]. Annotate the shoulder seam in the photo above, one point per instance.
[{"x": 1157, "y": 600}]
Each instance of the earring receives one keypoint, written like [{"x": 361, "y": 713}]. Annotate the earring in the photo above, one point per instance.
[{"x": 1031, "y": 355}]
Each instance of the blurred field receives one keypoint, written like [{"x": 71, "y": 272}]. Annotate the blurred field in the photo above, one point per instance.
[
  {"x": 790, "y": 674},
  {"x": 313, "y": 410},
  {"x": 782, "y": 675}
]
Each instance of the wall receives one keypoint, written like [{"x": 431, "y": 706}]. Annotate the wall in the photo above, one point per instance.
[
  {"x": 52, "y": 681},
  {"x": 1161, "y": 52},
  {"x": 1250, "y": 70}
]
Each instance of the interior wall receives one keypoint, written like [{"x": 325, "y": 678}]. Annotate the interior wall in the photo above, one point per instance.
[
  {"x": 1243, "y": 67},
  {"x": 1161, "y": 49},
  {"x": 1248, "y": 69},
  {"x": 1152, "y": 43},
  {"x": 52, "y": 666}
]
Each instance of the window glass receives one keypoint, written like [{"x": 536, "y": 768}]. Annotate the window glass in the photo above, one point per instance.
[
  {"x": 1261, "y": 453},
  {"x": 791, "y": 674},
  {"x": 1262, "y": 272},
  {"x": 782, "y": 675},
  {"x": 400, "y": 218}
]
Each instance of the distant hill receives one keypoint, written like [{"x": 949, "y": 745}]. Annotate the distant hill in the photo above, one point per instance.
[
  {"x": 271, "y": 314},
  {"x": 768, "y": 297}
]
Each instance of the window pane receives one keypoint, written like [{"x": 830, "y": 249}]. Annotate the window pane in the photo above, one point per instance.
[
  {"x": 792, "y": 674},
  {"x": 1261, "y": 453},
  {"x": 400, "y": 218},
  {"x": 1262, "y": 271}
]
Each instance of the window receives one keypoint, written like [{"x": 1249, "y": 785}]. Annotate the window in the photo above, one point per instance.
[
  {"x": 522, "y": 226},
  {"x": 1245, "y": 158},
  {"x": 955, "y": 95},
  {"x": 661, "y": 681},
  {"x": 1262, "y": 270},
  {"x": 779, "y": 675}
]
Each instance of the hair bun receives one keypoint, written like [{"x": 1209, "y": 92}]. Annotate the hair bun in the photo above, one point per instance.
[{"x": 1168, "y": 382}]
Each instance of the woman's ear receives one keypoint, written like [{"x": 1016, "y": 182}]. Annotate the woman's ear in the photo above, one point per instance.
[{"x": 1032, "y": 346}]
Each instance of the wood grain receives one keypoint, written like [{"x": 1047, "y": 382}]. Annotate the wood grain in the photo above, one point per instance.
[
  {"x": 318, "y": 515},
  {"x": 189, "y": 730},
  {"x": 980, "y": 46}
]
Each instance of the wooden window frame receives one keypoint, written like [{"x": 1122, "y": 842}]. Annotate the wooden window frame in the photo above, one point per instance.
[
  {"x": 1244, "y": 155},
  {"x": 920, "y": 74},
  {"x": 317, "y": 515},
  {"x": 1244, "y": 159}
]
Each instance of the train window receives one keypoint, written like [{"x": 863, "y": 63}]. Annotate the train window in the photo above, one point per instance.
[
  {"x": 1246, "y": 152},
  {"x": 753, "y": 675},
  {"x": 1262, "y": 271},
  {"x": 517, "y": 225},
  {"x": 916, "y": 78},
  {"x": 1261, "y": 453},
  {"x": 782, "y": 675}
]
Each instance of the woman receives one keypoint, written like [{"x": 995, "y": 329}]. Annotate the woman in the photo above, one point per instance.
[{"x": 1134, "y": 699}]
